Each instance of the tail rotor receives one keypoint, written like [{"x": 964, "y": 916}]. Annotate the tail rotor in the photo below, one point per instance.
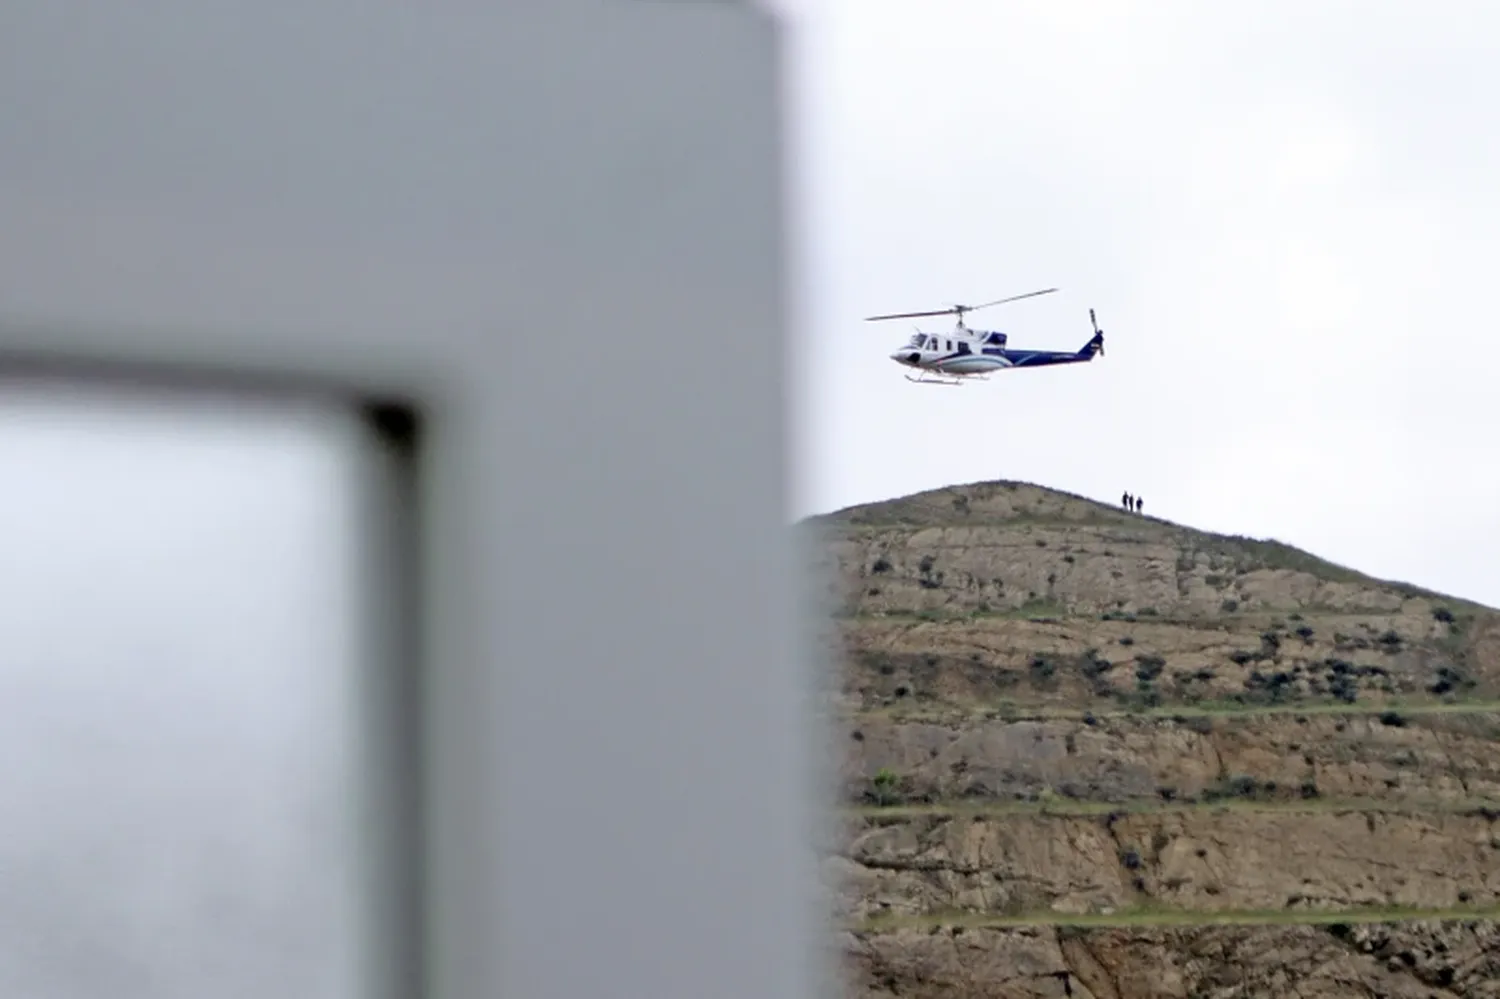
[{"x": 1098, "y": 333}]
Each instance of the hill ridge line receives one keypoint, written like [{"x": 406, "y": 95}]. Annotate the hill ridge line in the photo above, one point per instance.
[{"x": 1106, "y": 513}]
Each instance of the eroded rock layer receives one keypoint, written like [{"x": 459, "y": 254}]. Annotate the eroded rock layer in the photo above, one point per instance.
[
  {"x": 1411, "y": 959},
  {"x": 1052, "y": 712}
]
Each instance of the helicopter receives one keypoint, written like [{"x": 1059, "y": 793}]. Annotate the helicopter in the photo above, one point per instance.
[{"x": 965, "y": 354}]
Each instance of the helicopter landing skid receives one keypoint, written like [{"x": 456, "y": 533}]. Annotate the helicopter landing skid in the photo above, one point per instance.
[{"x": 954, "y": 380}]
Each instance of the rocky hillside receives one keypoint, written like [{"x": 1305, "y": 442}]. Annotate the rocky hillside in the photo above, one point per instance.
[{"x": 1088, "y": 752}]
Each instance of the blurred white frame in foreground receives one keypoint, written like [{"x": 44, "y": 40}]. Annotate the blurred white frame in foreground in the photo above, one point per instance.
[{"x": 540, "y": 246}]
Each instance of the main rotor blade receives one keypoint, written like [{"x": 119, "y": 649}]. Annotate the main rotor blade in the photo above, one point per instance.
[
  {"x": 913, "y": 315},
  {"x": 1013, "y": 298},
  {"x": 959, "y": 309}
]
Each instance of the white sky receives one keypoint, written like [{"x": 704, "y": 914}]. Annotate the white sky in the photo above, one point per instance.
[{"x": 1285, "y": 215}]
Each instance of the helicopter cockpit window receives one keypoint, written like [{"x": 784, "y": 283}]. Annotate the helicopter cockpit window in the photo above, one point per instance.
[{"x": 917, "y": 340}]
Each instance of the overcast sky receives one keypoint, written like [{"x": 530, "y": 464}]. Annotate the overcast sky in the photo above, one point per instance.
[{"x": 1284, "y": 213}]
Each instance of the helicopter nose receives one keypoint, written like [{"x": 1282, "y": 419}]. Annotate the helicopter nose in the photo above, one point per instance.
[{"x": 904, "y": 357}]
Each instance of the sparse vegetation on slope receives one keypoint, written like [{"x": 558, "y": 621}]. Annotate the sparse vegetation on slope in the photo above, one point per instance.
[{"x": 1054, "y": 711}]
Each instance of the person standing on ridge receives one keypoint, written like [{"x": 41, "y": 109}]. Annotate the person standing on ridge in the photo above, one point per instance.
[{"x": 1125, "y": 501}]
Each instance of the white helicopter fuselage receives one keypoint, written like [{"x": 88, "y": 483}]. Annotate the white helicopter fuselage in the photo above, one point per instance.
[{"x": 954, "y": 354}]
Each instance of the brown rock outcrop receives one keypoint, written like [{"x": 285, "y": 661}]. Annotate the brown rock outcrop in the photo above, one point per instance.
[
  {"x": 1051, "y": 712},
  {"x": 1419, "y": 959},
  {"x": 1194, "y": 860},
  {"x": 1397, "y": 757}
]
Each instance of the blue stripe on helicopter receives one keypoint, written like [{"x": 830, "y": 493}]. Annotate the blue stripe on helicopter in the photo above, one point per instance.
[
  {"x": 1018, "y": 358},
  {"x": 1023, "y": 359}
]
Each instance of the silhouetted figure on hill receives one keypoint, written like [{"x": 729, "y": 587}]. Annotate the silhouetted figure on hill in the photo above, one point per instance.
[
  {"x": 1125, "y": 501},
  {"x": 1138, "y": 504}
]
